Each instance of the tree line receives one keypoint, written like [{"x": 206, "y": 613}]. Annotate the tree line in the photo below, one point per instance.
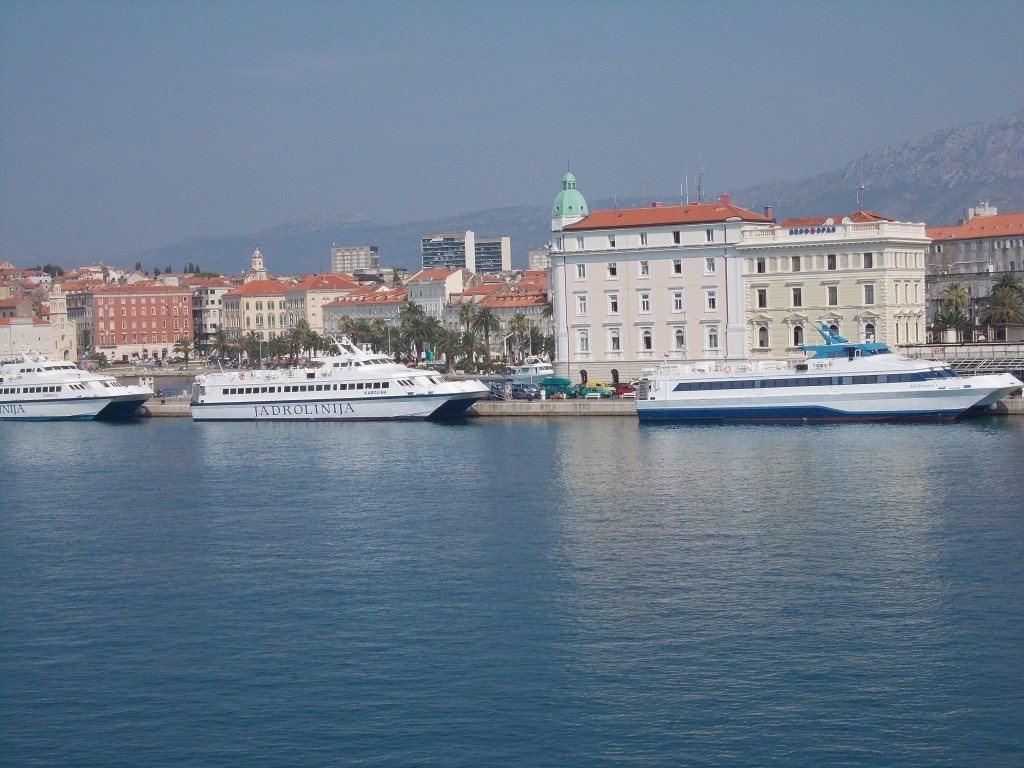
[
  {"x": 414, "y": 337},
  {"x": 1003, "y": 306}
]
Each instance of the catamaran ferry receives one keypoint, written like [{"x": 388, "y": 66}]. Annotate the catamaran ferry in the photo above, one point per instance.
[
  {"x": 38, "y": 388},
  {"x": 352, "y": 385},
  {"x": 839, "y": 381}
]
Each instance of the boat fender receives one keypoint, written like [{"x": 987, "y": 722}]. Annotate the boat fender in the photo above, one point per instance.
[
  {"x": 241, "y": 377},
  {"x": 728, "y": 369},
  {"x": 291, "y": 374}
]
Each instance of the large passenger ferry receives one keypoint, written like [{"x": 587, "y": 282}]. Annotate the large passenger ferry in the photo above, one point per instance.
[
  {"x": 38, "y": 388},
  {"x": 352, "y": 385},
  {"x": 840, "y": 380}
]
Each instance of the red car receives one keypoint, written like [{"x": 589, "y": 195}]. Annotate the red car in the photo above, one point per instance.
[{"x": 625, "y": 389}]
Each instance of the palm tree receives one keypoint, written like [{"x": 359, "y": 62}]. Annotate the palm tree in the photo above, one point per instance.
[
  {"x": 472, "y": 346},
  {"x": 1004, "y": 306},
  {"x": 297, "y": 339},
  {"x": 520, "y": 326},
  {"x": 956, "y": 296},
  {"x": 449, "y": 344},
  {"x": 487, "y": 322},
  {"x": 1010, "y": 282},
  {"x": 252, "y": 343},
  {"x": 467, "y": 313},
  {"x": 952, "y": 319},
  {"x": 186, "y": 347},
  {"x": 277, "y": 347},
  {"x": 549, "y": 346},
  {"x": 221, "y": 344}
]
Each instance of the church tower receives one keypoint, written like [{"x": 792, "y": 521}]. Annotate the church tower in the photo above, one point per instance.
[
  {"x": 569, "y": 206},
  {"x": 257, "y": 271}
]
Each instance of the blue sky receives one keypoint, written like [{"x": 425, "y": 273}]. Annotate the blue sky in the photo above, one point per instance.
[{"x": 131, "y": 125}]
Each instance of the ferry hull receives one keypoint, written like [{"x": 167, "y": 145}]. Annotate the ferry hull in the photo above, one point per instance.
[
  {"x": 412, "y": 408},
  {"x": 931, "y": 402},
  {"x": 51, "y": 410}
]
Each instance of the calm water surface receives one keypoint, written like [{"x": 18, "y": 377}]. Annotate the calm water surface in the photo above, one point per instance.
[{"x": 577, "y": 592}]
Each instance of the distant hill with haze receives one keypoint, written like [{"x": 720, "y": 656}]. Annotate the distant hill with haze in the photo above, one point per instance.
[{"x": 931, "y": 179}]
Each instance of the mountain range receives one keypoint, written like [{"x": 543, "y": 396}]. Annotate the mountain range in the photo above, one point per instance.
[{"x": 930, "y": 179}]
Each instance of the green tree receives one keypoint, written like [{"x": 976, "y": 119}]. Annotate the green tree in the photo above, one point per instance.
[
  {"x": 519, "y": 327},
  {"x": 1004, "y": 306},
  {"x": 185, "y": 347},
  {"x": 472, "y": 347},
  {"x": 252, "y": 344},
  {"x": 952, "y": 319},
  {"x": 956, "y": 296},
  {"x": 486, "y": 322},
  {"x": 449, "y": 344},
  {"x": 467, "y": 313},
  {"x": 221, "y": 344}
]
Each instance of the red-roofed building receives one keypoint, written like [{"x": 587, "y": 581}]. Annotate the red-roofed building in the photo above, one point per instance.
[
  {"x": 258, "y": 305},
  {"x": 306, "y": 299},
  {"x": 367, "y": 304},
  {"x": 974, "y": 254},
  {"x": 713, "y": 281},
  {"x": 131, "y": 321}
]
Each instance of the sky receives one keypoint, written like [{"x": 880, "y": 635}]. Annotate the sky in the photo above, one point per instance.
[{"x": 133, "y": 125}]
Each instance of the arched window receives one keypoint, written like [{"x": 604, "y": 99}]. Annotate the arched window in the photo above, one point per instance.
[
  {"x": 869, "y": 332},
  {"x": 584, "y": 339},
  {"x": 680, "y": 337},
  {"x": 762, "y": 336},
  {"x": 614, "y": 342},
  {"x": 798, "y": 335},
  {"x": 713, "y": 337},
  {"x": 647, "y": 340},
  {"x": 834, "y": 328}
]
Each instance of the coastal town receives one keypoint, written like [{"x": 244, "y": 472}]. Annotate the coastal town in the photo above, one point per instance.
[{"x": 614, "y": 293}]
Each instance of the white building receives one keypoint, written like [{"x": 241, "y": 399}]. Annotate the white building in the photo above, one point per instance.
[{"x": 634, "y": 287}]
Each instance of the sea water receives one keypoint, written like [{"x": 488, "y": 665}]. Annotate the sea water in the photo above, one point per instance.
[{"x": 520, "y": 592}]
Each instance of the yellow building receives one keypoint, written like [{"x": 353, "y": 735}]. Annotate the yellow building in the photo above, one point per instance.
[{"x": 861, "y": 274}]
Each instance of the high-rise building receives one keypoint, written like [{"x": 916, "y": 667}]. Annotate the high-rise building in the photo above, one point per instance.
[
  {"x": 464, "y": 250},
  {"x": 354, "y": 258}
]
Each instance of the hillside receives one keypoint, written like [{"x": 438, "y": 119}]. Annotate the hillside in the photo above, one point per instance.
[{"x": 931, "y": 179}]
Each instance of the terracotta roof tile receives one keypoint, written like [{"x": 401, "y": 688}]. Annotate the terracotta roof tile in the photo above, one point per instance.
[
  {"x": 1000, "y": 225},
  {"x": 857, "y": 217},
  {"x": 664, "y": 216},
  {"x": 258, "y": 288}
]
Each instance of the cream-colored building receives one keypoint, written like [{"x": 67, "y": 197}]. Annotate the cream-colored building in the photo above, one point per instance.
[
  {"x": 306, "y": 299},
  {"x": 636, "y": 287},
  {"x": 258, "y": 305},
  {"x": 861, "y": 274}
]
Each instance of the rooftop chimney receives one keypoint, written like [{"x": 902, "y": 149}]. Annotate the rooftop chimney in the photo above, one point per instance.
[
  {"x": 657, "y": 205},
  {"x": 725, "y": 199},
  {"x": 768, "y": 212}
]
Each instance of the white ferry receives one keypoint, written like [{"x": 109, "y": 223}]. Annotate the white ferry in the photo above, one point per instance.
[
  {"x": 533, "y": 370},
  {"x": 352, "y": 385},
  {"x": 38, "y": 388},
  {"x": 839, "y": 381}
]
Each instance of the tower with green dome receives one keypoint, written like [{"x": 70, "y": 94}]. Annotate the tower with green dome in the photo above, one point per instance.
[{"x": 569, "y": 206}]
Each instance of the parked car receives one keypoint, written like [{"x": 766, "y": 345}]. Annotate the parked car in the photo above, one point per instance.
[
  {"x": 555, "y": 386},
  {"x": 525, "y": 392},
  {"x": 497, "y": 390},
  {"x": 624, "y": 389},
  {"x": 595, "y": 389}
]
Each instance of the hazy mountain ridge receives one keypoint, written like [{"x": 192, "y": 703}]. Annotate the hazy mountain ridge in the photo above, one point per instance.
[{"x": 931, "y": 179}]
